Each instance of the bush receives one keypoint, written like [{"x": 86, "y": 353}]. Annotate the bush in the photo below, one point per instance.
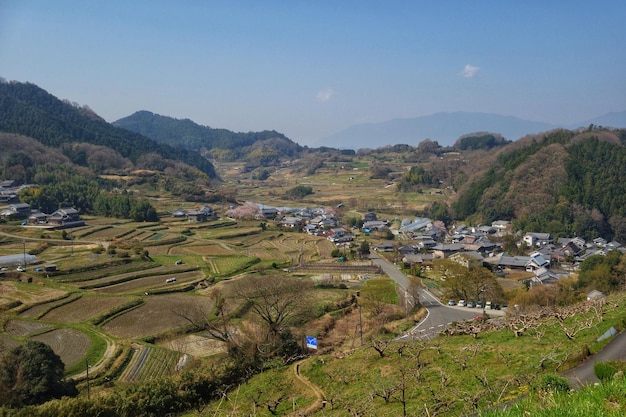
[
  {"x": 553, "y": 383},
  {"x": 604, "y": 371}
]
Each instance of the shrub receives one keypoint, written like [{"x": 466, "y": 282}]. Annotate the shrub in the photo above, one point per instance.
[
  {"x": 553, "y": 383},
  {"x": 604, "y": 370},
  {"x": 98, "y": 249}
]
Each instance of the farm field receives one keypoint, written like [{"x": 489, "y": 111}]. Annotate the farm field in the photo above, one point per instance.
[
  {"x": 135, "y": 271},
  {"x": 70, "y": 344},
  {"x": 149, "y": 363},
  {"x": 21, "y": 328},
  {"x": 152, "y": 283},
  {"x": 82, "y": 309},
  {"x": 160, "y": 313},
  {"x": 195, "y": 345},
  {"x": 27, "y": 293},
  {"x": 110, "y": 284}
]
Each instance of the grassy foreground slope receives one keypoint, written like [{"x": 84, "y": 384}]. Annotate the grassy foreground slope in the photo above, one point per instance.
[{"x": 449, "y": 375}]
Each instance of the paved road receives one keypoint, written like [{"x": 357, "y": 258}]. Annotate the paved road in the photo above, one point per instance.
[
  {"x": 584, "y": 374},
  {"x": 438, "y": 315}
]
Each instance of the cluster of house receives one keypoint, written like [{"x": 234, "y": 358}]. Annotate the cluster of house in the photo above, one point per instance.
[
  {"x": 203, "y": 214},
  {"x": 473, "y": 244},
  {"x": 63, "y": 217},
  {"x": 9, "y": 192},
  {"x": 315, "y": 221}
]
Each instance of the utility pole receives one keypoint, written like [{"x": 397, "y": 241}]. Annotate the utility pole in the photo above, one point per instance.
[
  {"x": 87, "y": 376},
  {"x": 361, "y": 325},
  {"x": 24, "y": 243}
]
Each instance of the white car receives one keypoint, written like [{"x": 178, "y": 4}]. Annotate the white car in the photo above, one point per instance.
[
  {"x": 21, "y": 269},
  {"x": 461, "y": 303}
]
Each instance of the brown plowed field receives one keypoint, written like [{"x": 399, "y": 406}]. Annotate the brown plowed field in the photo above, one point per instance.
[
  {"x": 83, "y": 309},
  {"x": 157, "y": 315},
  {"x": 20, "y": 328},
  {"x": 151, "y": 283},
  {"x": 70, "y": 344}
]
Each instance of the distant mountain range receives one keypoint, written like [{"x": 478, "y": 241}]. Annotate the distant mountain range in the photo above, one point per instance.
[{"x": 446, "y": 128}]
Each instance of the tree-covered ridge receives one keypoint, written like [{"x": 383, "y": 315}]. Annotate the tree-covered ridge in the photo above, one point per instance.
[
  {"x": 480, "y": 140},
  {"x": 561, "y": 183},
  {"x": 28, "y": 110},
  {"x": 187, "y": 134}
]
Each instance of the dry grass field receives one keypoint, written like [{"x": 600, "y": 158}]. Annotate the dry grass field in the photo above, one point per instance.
[
  {"x": 195, "y": 345},
  {"x": 28, "y": 294}
]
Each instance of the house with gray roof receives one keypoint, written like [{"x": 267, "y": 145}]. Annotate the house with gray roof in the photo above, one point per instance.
[
  {"x": 17, "y": 210},
  {"x": 537, "y": 239}
]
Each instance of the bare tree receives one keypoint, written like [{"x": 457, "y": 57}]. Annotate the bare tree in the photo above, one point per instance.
[
  {"x": 217, "y": 323},
  {"x": 276, "y": 300}
]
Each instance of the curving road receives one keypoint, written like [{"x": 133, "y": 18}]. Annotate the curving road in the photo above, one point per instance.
[
  {"x": 584, "y": 373},
  {"x": 438, "y": 315}
]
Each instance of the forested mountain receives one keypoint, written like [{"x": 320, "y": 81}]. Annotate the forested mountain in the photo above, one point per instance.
[
  {"x": 221, "y": 143},
  {"x": 28, "y": 110},
  {"x": 562, "y": 182}
]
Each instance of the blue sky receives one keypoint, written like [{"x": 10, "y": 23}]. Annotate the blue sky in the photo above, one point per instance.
[{"x": 311, "y": 68}]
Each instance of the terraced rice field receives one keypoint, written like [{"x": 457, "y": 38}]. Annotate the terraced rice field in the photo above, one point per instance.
[
  {"x": 195, "y": 345},
  {"x": 209, "y": 249},
  {"x": 149, "y": 363},
  {"x": 150, "y": 270},
  {"x": 28, "y": 293},
  {"x": 152, "y": 283},
  {"x": 70, "y": 344},
  {"x": 21, "y": 328},
  {"x": 39, "y": 309},
  {"x": 159, "y": 314},
  {"x": 83, "y": 309},
  {"x": 228, "y": 265},
  {"x": 7, "y": 343}
]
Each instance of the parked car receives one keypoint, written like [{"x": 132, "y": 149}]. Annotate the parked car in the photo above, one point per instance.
[
  {"x": 488, "y": 305},
  {"x": 178, "y": 262},
  {"x": 461, "y": 303},
  {"x": 479, "y": 304},
  {"x": 470, "y": 304},
  {"x": 21, "y": 269},
  {"x": 451, "y": 303}
]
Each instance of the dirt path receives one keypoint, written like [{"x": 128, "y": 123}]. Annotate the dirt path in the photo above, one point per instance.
[
  {"x": 97, "y": 367},
  {"x": 320, "y": 401}
]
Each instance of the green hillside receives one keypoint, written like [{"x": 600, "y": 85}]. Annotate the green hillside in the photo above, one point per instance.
[
  {"x": 563, "y": 183},
  {"x": 28, "y": 110},
  {"x": 189, "y": 135}
]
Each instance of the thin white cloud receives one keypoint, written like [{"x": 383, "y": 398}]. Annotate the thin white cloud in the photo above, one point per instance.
[
  {"x": 469, "y": 71},
  {"x": 325, "y": 94}
]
